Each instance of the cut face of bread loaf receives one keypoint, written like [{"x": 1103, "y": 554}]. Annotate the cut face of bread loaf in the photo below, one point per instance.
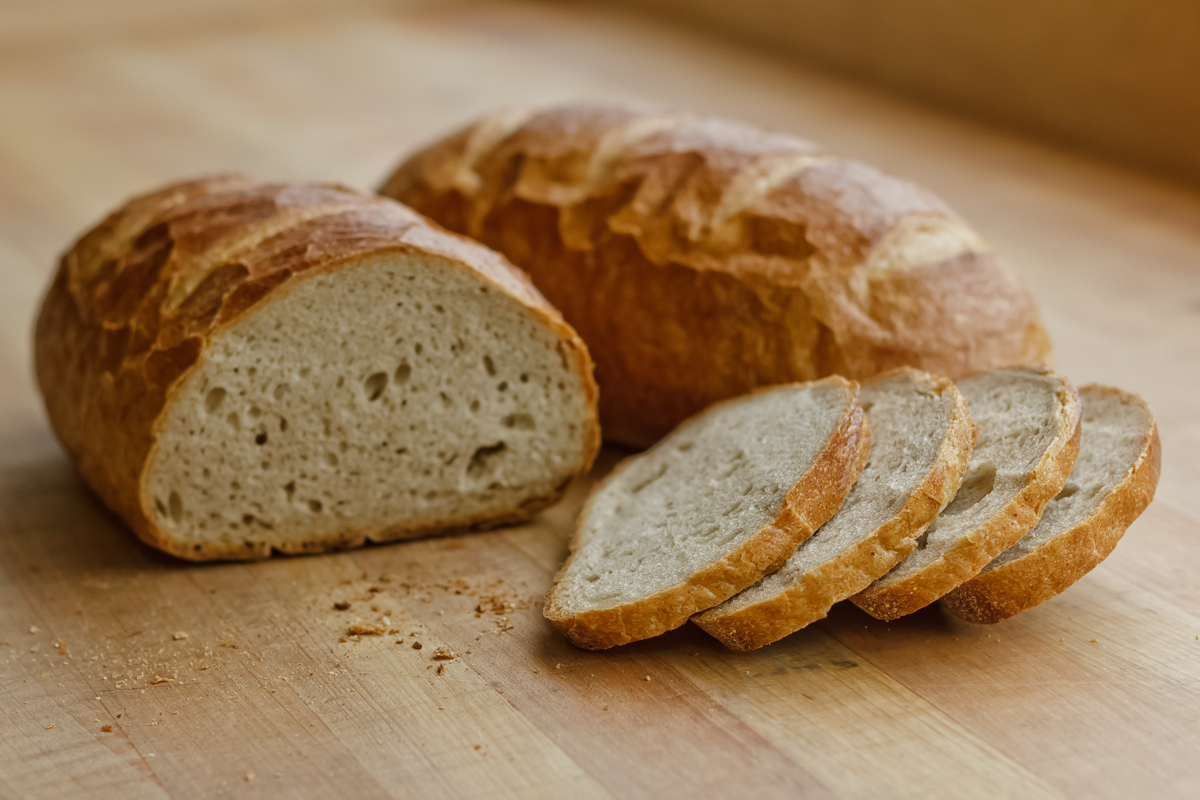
[
  {"x": 921, "y": 439},
  {"x": 239, "y": 367},
  {"x": 1028, "y": 441},
  {"x": 1112, "y": 483},
  {"x": 708, "y": 511},
  {"x": 701, "y": 259}
]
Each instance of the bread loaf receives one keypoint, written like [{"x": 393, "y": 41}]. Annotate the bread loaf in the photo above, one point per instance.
[
  {"x": 238, "y": 367},
  {"x": 700, "y": 259},
  {"x": 1112, "y": 482},
  {"x": 1028, "y": 442},
  {"x": 708, "y": 511},
  {"x": 921, "y": 439}
]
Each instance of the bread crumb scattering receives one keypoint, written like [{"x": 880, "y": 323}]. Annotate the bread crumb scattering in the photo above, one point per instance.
[
  {"x": 444, "y": 653},
  {"x": 367, "y": 629}
]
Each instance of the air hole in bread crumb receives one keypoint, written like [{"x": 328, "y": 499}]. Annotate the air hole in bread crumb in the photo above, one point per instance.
[
  {"x": 315, "y": 506},
  {"x": 290, "y": 490},
  {"x": 281, "y": 390},
  {"x": 234, "y": 420},
  {"x": 1067, "y": 491},
  {"x": 403, "y": 373},
  {"x": 175, "y": 504},
  {"x": 474, "y": 405},
  {"x": 489, "y": 365},
  {"x": 283, "y": 424},
  {"x": 261, "y": 438},
  {"x": 375, "y": 385},
  {"x": 305, "y": 372},
  {"x": 255, "y": 412},
  {"x": 522, "y": 422},
  {"x": 214, "y": 399},
  {"x": 158, "y": 505},
  {"x": 331, "y": 459},
  {"x": 446, "y": 401},
  {"x": 503, "y": 387},
  {"x": 418, "y": 348},
  {"x": 482, "y": 457}
]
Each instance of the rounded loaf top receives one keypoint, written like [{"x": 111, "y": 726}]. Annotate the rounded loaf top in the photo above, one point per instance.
[{"x": 700, "y": 258}]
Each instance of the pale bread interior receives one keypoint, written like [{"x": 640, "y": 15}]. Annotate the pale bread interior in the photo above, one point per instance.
[
  {"x": 1112, "y": 438},
  {"x": 697, "y": 495},
  {"x": 909, "y": 422},
  {"x": 1018, "y": 412},
  {"x": 403, "y": 392}
]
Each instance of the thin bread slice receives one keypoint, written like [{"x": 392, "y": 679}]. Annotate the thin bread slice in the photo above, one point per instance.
[
  {"x": 922, "y": 437},
  {"x": 709, "y": 510},
  {"x": 1112, "y": 483},
  {"x": 1028, "y": 442}
]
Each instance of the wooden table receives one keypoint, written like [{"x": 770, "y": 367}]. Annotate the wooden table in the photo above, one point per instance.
[{"x": 124, "y": 673}]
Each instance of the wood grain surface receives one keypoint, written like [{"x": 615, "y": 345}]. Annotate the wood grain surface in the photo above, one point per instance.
[{"x": 127, "y": 674}]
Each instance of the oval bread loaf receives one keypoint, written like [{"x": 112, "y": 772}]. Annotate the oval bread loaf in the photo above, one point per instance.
[
  {"x": 238, "y": 367},
  {"x": 1112, "y": 483},
  {"x": 700, "y": 259},
  {"x": 708, "y": 511},
  {"x": 921, "y": 440}
]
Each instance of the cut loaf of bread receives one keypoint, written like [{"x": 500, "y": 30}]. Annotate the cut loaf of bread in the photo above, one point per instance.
[
  {"x": 1028, "y": 441},
  {"x": 700, "y": 258},
  {"x": 710, "y": 509},
  {"x": 1112, "y": 483},
  {"x": 238, "y": 367},
  {"x": 921, "y": 440}
]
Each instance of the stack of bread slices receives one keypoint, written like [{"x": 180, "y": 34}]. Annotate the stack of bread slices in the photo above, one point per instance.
[{"x": 753, "y": 518}]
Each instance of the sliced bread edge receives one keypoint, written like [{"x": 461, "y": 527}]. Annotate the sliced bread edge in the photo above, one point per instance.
[
  {"x": 810, "y": 598},
  {"x": 1053, "y": 567},
  {"x": 809, "y": 504}
]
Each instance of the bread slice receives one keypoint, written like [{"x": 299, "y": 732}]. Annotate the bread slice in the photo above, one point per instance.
[
  {"x": 240, "y": 367},
  {"x": 1112, "y": 483},
  {"x": 1028, "y": 441},
  {"x": 921, "y": 440},
  {"x": 717, "y": 504}
]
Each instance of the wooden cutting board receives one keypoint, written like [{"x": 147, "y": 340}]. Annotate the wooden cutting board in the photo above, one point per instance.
[{"x": 125, "y": 673}]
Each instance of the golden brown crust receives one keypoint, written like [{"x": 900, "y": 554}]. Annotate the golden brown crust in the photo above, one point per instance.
[
  {"x": 702, "y": 259},
  {"x": 810, "y": 598},
  {"x": 814, "y": 499},
  {"x": 1050, "y": 569},
  {"x": 137, "y": 299},
  {"x": 888, "y": 600}
]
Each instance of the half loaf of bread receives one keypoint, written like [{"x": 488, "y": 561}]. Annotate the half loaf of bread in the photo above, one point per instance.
[
  {"x": 238, "y": 367},
  {"x": 921, "y": 439},
  {"x": 1112, "y": 483},
  {"x": 1028, "y": 441},
  {"x": 708, "y": 511},
  {"x": 700, "y": 259}
]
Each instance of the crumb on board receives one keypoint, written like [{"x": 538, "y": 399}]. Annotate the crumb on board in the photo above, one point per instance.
[
  {"x": 441, "y": 670},
  {"x": 341, "y": 605},
  {"x": 34, "y": 629},
  {"x": 157, "y": 680},
  {"x": 249, "y": 777},
  {"x": 443, "y": 653},
  {"x": 367, "y": 629},
  {"x": 647, "y": 677},
  {"x": 1095, "y": 640},
  {"x": 51, "y": 725},
  {"x": 106, "y": 728},
  {"x": 178, "y": 635},
  {"x": 417, "y": 645}
]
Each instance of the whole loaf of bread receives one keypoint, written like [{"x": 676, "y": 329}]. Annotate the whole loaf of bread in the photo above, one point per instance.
[{"x": 700, "y": 258}]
